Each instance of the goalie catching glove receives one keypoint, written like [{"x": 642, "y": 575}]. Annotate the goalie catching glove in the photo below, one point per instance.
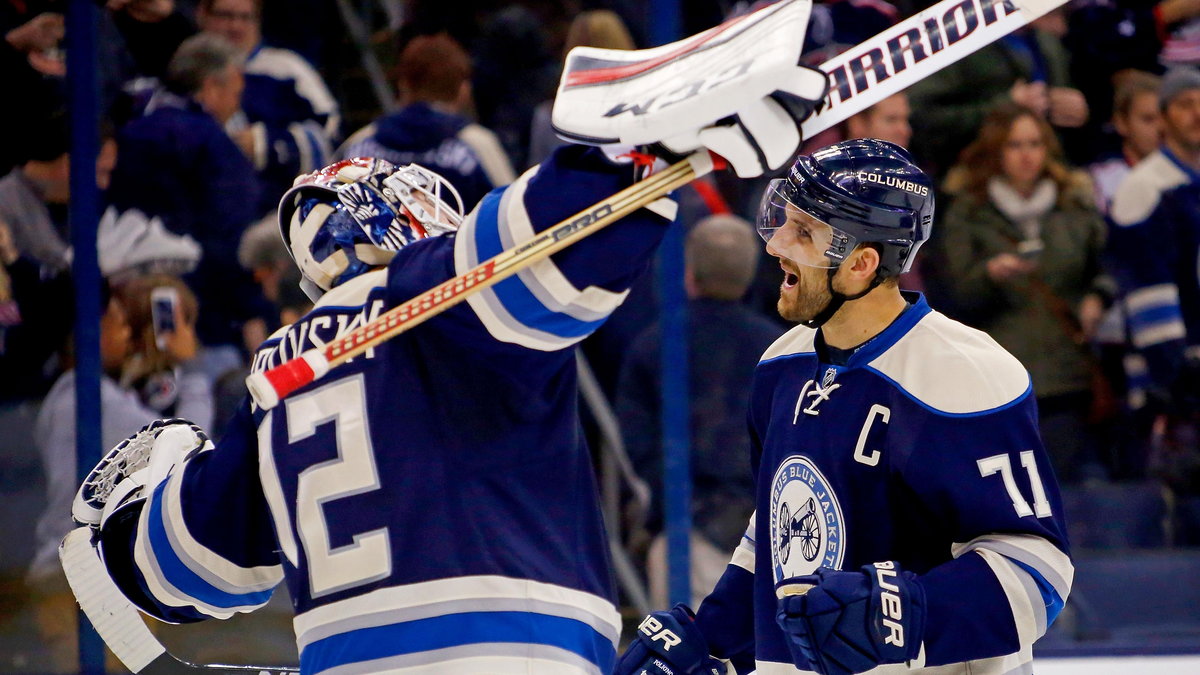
[
  {"x": 737, "y": 90},
  {"x": 838, "y": 622},
  {"x": 136, "y": 464},
  {"x": 669, "y": 643}
]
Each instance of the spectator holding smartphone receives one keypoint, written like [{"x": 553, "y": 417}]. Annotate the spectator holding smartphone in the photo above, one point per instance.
[
  {"x": 1021, "y": 242},
  {"x": 162, "y": 368}
]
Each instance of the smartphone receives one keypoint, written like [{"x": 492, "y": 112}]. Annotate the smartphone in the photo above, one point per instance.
[
  {"x": 163, "y": 303},
  {"x": 1030, "y": 248}
]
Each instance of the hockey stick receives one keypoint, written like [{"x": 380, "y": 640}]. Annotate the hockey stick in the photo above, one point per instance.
[
  {"x": 862, "y": 76},
  {"x": 119, "y": 624},
  {"x": 269, "y": 387}
]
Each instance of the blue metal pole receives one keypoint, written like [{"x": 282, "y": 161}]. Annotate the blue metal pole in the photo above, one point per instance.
[
  {"x": 665, "y": 26},
  {"x": 676, "y": 413},
  {"x": 84, "y": 110}
]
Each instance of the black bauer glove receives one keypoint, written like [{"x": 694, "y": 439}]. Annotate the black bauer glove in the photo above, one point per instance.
[
  {"x": 669, "y": 643},
  {"x": 852, "y": 621}
]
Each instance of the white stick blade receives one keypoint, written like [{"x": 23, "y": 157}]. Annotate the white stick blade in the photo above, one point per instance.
[{"x": 115, "y": 619}]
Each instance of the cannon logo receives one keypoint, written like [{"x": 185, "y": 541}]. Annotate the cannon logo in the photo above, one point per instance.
[{"x": 806, "y": 520}]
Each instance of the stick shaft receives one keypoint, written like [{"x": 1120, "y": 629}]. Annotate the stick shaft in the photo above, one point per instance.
[{"x": 298, "y": 372}]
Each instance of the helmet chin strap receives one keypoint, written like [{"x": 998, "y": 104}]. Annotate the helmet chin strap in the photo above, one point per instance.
[{"x": 836, "y": 300}]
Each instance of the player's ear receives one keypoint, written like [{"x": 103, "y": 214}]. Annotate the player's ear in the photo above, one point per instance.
[{"x": 864, "y": 262}]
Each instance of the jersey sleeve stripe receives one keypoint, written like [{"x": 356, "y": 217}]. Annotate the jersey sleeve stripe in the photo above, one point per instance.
[
  {"x": 171, "y": 582},
  {"x": 544, "y": 280},
  {"x": 1025, "y": 609},
  {"x": 509, "y": 310},
  {"x": 1051, "y": 600},
  {"x": 1036, "y": 553},
  {"x": 218, "y": 571}
]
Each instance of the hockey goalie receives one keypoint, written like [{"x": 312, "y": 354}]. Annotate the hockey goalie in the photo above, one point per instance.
[{"x": 431, "y": 504}]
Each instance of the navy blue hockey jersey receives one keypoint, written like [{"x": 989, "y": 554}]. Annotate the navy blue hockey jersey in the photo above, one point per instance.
[
  {"x": 1154, "y": 253},
  {"x": 431, "y": 504},
  {"x": 922, "y": 449}
]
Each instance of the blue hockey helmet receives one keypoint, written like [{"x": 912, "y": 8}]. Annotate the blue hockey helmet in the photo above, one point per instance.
[
  {"x": 355, "y": 214},
  {"x": 864, "y": 190}
]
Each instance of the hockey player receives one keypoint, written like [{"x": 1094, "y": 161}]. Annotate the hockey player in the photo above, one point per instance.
[
  {"x": 907, "y": 516},
  {"x": 430, "y": 504}
]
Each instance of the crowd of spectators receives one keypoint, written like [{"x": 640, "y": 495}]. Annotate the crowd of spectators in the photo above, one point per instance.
[{"x": 1068, "y": 223}]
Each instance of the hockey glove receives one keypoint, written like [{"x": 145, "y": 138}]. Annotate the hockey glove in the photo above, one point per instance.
[
  {"x": 738, "y": 90},
  {"x": 140, "y": 461},
  {"x": 851, "y": 622},
  {"x": 669, "y": 643}
]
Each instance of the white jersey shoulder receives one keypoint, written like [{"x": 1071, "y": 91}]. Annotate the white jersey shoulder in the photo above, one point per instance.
[
  {"x": 285, "y": 64},
  {"x": 1139, "y": 194},
  {"x": 952, "y": 368},
  {"x": 798, "y": 340}
]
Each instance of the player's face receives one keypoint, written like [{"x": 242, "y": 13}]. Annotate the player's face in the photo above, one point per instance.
[
  {"x": 1142, "y": 126},
  {"x": 1182, "y": 121},
  {"x": 800, "y": 245},
  {"x": 1023, "y": 157}
]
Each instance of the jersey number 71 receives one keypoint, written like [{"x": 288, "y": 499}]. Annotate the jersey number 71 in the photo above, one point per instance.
[{"x": 1002, "y": 465}]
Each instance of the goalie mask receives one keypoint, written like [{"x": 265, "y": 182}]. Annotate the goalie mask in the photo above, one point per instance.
[{"x": 353, "y": 215}]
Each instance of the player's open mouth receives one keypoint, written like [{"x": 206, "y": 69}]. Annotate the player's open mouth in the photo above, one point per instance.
[{"x": 789, "y": 280}]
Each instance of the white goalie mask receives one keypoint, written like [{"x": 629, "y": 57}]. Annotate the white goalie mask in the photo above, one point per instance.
[{"x": 354, "y": 215}]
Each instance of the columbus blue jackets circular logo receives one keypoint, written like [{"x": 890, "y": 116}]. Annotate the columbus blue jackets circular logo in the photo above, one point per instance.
[{"x": 806, "y": 520}]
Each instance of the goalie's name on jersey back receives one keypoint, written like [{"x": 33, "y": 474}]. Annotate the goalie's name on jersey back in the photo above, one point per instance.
[{"x": 328, "y": 322}]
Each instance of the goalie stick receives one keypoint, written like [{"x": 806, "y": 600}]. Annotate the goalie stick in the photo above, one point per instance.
[{"x": 861, "y": 76}]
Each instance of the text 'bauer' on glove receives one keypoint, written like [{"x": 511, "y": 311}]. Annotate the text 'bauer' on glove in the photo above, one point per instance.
[
  {"x": 842, "y": 622},
  {"x": 669, "y": 643}
]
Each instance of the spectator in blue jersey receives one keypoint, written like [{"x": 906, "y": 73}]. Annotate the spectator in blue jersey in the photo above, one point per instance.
[
  {"x": 178, "y": 164},
  {"x": 287, "y": 120},
  {"x": 1153, "y": 248},
  {"x": 725, "y": 339},
  {"x": 430, "y": 503},
  {"x": 433, "y": 76},
  {"x": 906, "y": 511}
]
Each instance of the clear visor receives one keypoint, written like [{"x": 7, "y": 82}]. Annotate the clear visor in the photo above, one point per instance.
[
  {"x": 429, "y": 199},
  {"x": 797, "y": 235}
]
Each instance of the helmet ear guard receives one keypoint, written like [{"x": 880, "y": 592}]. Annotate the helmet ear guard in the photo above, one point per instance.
[{"x": 354, "y": 215}]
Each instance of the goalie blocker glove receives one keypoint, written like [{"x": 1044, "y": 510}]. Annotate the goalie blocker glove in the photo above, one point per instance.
[
  {"x": 669, "y": 643},
  {"x": 737, "y": 90},
  {"x": 838, "y": 622}
]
